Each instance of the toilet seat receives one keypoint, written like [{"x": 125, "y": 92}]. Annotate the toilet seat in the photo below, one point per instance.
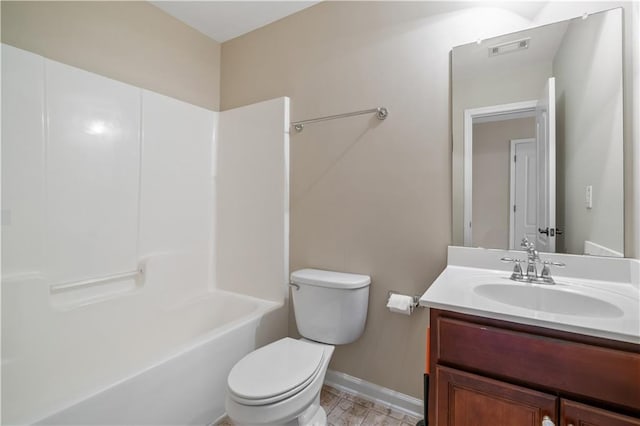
[{"x": 275, "y": 372}]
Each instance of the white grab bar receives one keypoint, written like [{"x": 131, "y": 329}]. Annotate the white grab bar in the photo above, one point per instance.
[{"x": 56, "y": 288}]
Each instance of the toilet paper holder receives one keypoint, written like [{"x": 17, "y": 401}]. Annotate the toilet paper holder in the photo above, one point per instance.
[{"x": 416, "y": 299}]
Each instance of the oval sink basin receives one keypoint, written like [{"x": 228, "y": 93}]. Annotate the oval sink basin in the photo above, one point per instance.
[{"x": 548, "y": 299}]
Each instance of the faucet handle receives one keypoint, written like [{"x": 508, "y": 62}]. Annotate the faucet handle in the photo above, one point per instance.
[
  {"x": 546, "y": 272},
  {"x": 517, "y": 269}
]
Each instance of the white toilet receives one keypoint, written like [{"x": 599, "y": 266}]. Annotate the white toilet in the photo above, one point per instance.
[{"x": 279, "y": 384}]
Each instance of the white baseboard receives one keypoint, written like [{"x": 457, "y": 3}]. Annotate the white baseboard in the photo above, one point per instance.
[{"x": 395, "y": 400}]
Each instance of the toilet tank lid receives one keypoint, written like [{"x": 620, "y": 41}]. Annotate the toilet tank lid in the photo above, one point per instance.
[{"x": 331, "y": 279}]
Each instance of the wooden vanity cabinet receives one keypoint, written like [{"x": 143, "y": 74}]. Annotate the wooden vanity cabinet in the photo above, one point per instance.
[{"x": 491, "y": 372}]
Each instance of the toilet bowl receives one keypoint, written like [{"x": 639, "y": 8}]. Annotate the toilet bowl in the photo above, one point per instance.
[{"x": 280, "y": 383}]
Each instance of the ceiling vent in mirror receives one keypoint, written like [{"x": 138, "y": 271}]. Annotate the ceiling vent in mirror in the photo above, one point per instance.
[{"x": 512, "y": 46}]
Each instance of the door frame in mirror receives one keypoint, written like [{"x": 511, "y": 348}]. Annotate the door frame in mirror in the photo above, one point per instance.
[{"x": 491, "y": 113}]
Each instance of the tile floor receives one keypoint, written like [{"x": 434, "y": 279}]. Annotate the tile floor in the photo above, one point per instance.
[{"x": 345, "y": 409}]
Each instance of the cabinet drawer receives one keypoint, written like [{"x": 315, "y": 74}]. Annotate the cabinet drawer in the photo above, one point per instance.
[
  {"x": 600, "y": 373},
  {"x": 574, "y": 413}
]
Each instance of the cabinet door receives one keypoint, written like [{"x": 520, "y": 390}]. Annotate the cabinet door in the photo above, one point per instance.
[
  {"x": 576, "y": 414},
  {"x": 464, "y": 399}
]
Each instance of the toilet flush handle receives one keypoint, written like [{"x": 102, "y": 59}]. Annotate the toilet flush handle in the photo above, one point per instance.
[{"x": 295, "y": 285}]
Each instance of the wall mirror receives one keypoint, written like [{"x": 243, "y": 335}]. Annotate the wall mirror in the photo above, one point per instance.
[{"x": 538, "y": 138}]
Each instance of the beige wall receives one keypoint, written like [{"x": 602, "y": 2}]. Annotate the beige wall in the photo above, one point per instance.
[
  {"x": 134, "y": 42},
  {"x": 367, "y": 196},
  {"x": 589, "y": 132},
  {"x": 631, "y": 95},
  {"x": 491, "y": 178}
]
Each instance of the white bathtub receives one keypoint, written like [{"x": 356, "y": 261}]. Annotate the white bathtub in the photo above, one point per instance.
[{"x": 174, "y": 374}]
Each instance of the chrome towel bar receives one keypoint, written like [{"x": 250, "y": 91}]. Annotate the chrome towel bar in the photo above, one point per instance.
[{"x": 381, "y": 114}]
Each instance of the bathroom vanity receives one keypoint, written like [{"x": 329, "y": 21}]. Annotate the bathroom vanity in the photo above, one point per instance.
[
  {"x": 508, "y": 353},
  {"x": 491, "y": 372}
]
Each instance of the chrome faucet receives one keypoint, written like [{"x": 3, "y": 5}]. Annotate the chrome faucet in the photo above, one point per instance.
[{"x": 533, "y": 258}]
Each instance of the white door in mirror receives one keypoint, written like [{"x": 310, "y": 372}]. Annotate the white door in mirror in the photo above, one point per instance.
[
  {"x": 546, "y": 161},
  {"x": 523, "y": 188}
]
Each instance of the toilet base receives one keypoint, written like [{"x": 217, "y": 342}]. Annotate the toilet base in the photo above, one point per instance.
[{"x": 312, "y": 416}]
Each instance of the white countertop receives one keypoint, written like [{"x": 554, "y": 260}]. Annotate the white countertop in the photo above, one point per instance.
[{"x": 455, "y": 290}]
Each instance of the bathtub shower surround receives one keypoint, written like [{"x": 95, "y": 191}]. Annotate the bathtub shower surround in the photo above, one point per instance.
[
  {"x": 253, "y": 200},
  {"x": 110, "y": 288}
]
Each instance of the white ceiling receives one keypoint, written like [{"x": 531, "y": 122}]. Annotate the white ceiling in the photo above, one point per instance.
[{"x": 224, "y": 20}]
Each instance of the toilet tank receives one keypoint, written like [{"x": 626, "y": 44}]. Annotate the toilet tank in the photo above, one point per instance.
[{"x": 330, "y": 307}]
